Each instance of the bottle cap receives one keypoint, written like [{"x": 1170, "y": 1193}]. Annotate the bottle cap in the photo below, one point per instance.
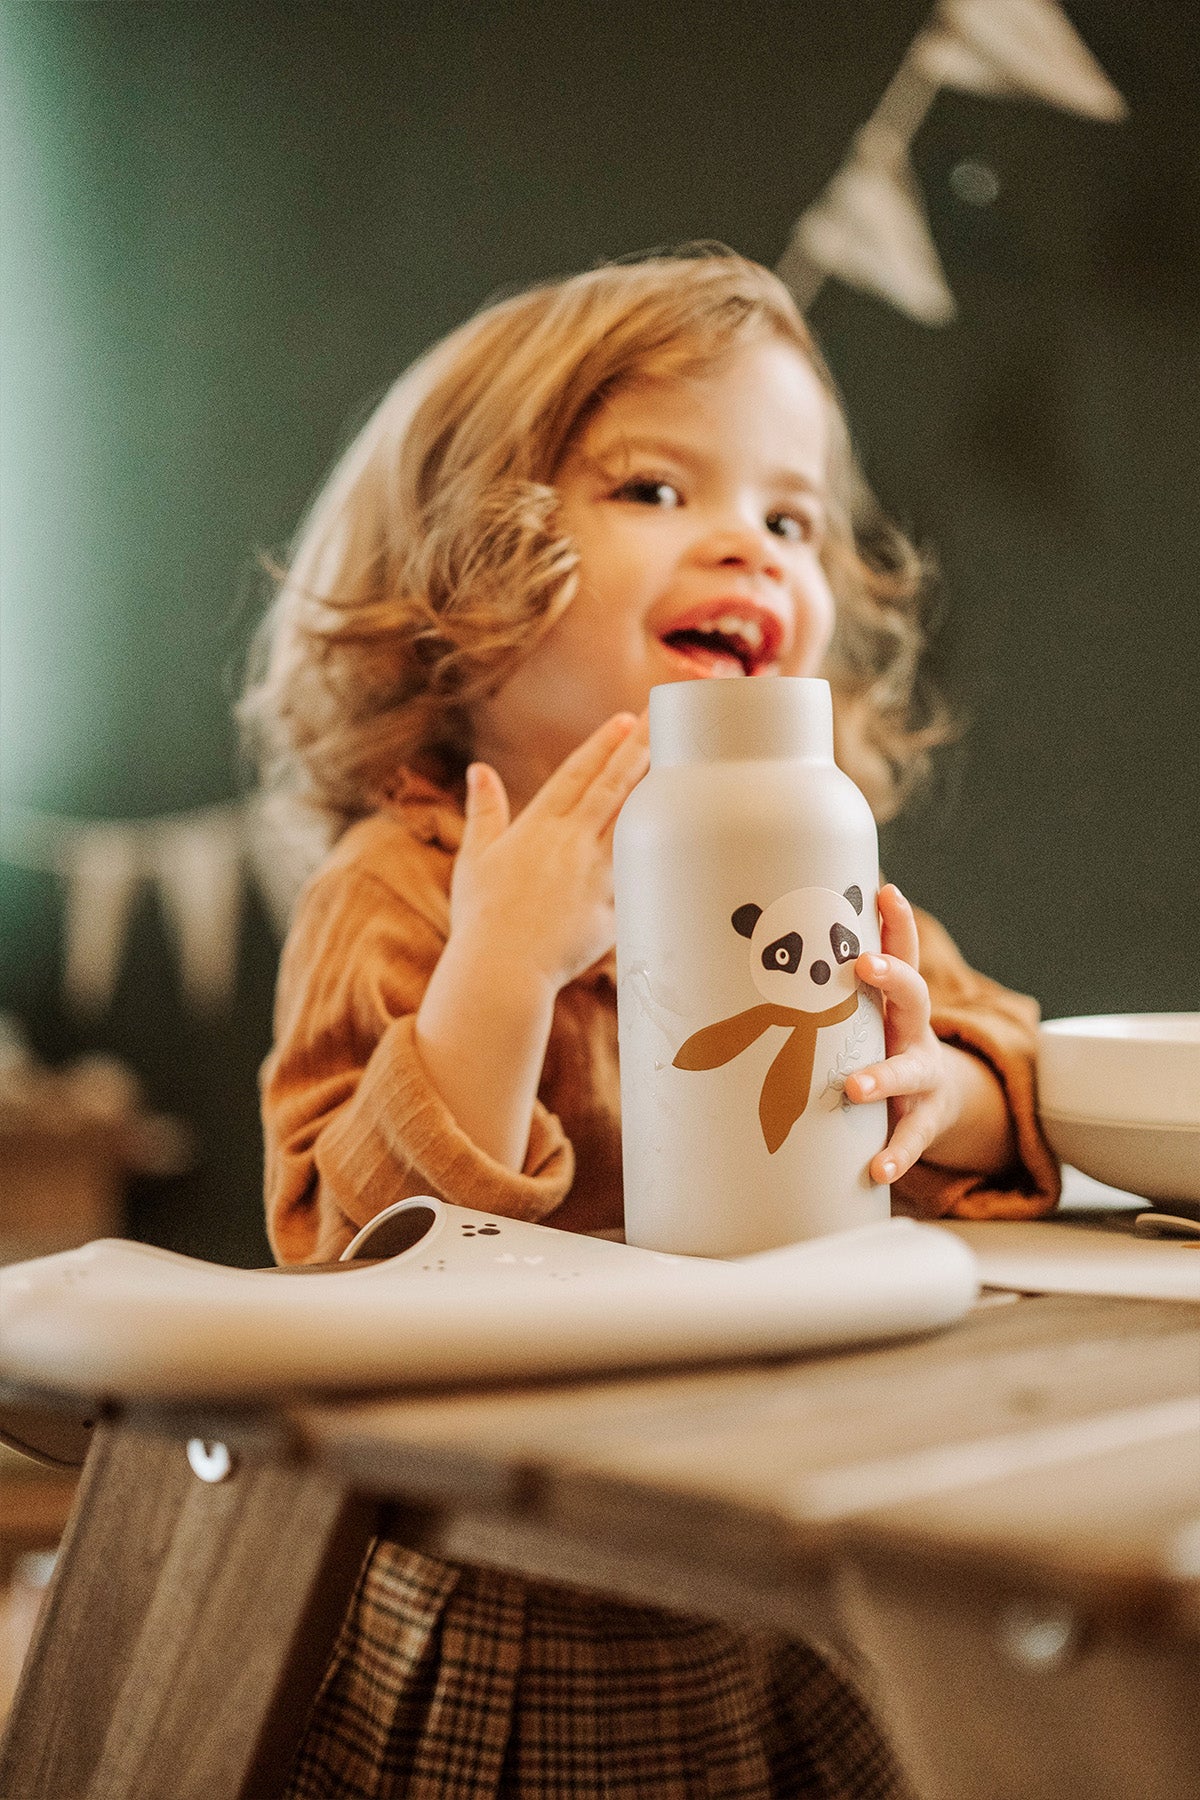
[{"x": 747, "y": 719}]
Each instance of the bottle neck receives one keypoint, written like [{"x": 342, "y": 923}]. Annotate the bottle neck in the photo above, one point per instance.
[{"x": 751, "y": 719}]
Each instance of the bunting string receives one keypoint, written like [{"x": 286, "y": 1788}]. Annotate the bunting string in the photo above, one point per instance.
[
  {"x": 198, "y": 866},
  {"x": 869, "y": 227}
]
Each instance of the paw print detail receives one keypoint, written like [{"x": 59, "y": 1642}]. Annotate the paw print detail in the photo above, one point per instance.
[
  {"x": 433, "y": 1268},
  {"x": 488, "y": 1230}
]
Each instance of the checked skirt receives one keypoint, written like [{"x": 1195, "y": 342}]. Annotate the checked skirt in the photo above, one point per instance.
[{"x": 451, "y": 1682}]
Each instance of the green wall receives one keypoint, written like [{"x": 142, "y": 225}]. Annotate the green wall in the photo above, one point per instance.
[{"x": 227, "y": 227}]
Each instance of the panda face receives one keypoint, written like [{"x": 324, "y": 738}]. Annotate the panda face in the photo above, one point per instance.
[{"x": 803, "y": 946}]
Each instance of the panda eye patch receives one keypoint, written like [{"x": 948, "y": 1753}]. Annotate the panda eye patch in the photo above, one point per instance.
[
  {"x": 843, "y": 943},
  {"x": 783, "y": 956}
]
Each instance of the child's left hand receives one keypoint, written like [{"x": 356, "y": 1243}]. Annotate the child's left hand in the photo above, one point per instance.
[{"x": 928, "y": 1085}]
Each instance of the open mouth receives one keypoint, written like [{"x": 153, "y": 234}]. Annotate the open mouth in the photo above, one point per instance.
[{"x": 726, "y": 643}]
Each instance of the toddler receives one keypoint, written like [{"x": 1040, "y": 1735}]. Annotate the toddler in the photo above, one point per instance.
[{"x": 638, "y": 475}]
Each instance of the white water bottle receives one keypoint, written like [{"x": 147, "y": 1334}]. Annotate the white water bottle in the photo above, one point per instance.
[{"x": 746, "y": 871}]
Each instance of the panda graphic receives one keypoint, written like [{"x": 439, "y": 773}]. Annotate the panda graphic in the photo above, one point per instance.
[{"x": 802, "y": 952}]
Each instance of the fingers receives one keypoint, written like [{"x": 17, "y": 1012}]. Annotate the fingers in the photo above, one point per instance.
[
  {"x": 912, "y": 1071},
  {"x": 914, "y": 1083},
  {"x": 617, "y": 780},
  {"x": 906, "y": 997},
  {"x": 898, "y": 926},
  {"x": 576, "y": 773},
  {"x": 911, "y": 1079},
  {"x": 912, "y": 1136},
  {"x": 595, "y": 781},
  {"x": 487, "y": 810}
]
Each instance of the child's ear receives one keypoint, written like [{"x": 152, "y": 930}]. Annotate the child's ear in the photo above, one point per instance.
[{"x": 746, "y": 918}]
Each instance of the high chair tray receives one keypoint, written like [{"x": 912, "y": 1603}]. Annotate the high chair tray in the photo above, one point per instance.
[
  {"x": 459, "y": 1296},
  {"x": 1078, "y": 1255},
  {"x": 1093, "y": 1244}
]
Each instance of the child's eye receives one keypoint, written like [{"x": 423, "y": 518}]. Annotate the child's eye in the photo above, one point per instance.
[
  {"x": 798, "y": 528},
  {"x": 645, "y": 491}
]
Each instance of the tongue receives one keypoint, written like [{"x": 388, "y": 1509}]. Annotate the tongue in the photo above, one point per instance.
[{"x": 708, "y": 659}]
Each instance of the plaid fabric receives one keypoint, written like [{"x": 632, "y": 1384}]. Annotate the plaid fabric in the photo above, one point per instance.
[{"x": 460, "y": 1683}]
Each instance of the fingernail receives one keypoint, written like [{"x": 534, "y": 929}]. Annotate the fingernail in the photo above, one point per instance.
[
  {"x": 877, "y": 965},
  {"x": 866, "y": 1084},
  {"x": 889, "y": 1170}
]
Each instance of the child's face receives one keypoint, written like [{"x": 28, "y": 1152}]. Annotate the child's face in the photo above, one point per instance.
[{"x": 697, "y": 506}]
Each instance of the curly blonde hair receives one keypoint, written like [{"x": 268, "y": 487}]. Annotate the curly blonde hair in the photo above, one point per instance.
[{"x": 431, "y": 563}]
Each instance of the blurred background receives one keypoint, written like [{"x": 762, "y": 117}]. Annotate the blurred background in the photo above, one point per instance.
[{"x": 228, "y": 227}]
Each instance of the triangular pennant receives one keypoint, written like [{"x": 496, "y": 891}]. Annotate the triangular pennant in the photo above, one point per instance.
[
  {"x": 869, "y": 228},
  {"x": 1007, "y": 47},
  {"x": 102, "y": 868},
  {"x": 196, "y": 864},
  {"x": 948, "y": 60},
  {"x": 280, "y": 855}
]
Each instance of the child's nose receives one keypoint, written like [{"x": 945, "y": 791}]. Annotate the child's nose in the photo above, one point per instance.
[{"x": 749, "y": 547}]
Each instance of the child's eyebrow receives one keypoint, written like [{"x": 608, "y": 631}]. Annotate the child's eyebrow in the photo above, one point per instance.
[{"x": 626, "y": 445}]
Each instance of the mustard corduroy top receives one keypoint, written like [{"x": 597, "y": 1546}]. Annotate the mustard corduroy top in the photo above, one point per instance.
[{"x": 352, "y": 1122}]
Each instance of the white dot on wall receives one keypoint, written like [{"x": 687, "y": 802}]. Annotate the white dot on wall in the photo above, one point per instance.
[{"x": 975, "y": 183}]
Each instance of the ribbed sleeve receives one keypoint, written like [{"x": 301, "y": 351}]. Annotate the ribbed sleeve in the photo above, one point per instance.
[
  {"x": 351, "y": 1120},
  {"x": 397, "y": 1119},
  {"x": 353, "y": 1123}
]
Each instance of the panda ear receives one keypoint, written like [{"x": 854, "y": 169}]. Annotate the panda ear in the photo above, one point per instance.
[
  {"x": 854, "y": 896},
  {"x": 746, "y": 918}
]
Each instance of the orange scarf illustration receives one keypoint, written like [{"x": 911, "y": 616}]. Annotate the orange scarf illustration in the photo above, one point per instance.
[{"x": 785, "y": 1090}]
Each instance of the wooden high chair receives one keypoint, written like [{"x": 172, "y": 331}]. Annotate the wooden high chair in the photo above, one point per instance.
[{"x": 1000, "y": 1522}]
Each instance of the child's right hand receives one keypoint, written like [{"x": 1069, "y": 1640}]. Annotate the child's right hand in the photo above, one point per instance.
[
  {"x": 538, "y": 889},
  {"x": 531, "y": 907}
]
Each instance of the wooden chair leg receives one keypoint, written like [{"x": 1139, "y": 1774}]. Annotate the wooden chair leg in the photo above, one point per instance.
[
  {"x": 992, "y": 1694},
  {"x": 186, "y": 1629}
]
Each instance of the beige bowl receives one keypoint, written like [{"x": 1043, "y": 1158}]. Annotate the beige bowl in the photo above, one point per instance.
[{"x": 1119, "y": 1098}]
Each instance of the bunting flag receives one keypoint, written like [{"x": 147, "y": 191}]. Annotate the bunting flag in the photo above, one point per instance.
[
  {"x": 197, "y": 865},
  {"x": 869, "y": 227},
  {"x": 101, "y": 867},
  {"x": 279, "y": 854},
  {"x": 1013, "y": 47}
]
